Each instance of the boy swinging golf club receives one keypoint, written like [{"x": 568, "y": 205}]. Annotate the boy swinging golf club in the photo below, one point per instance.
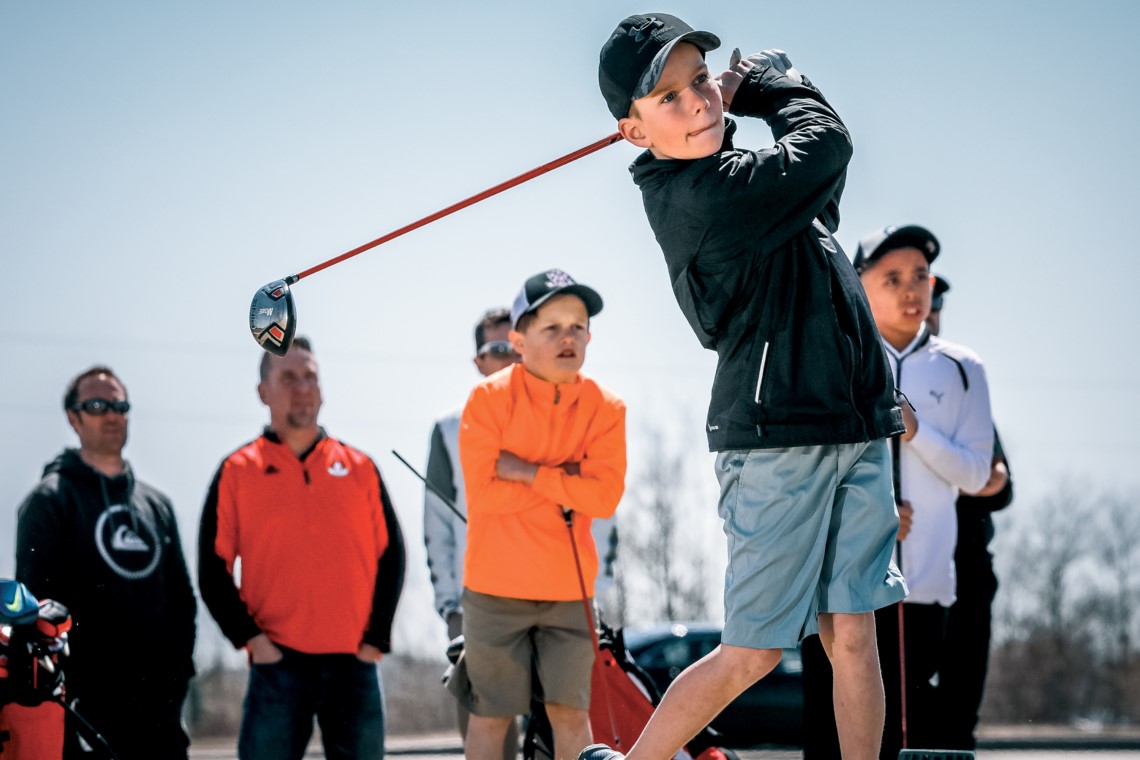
[{"x": 802, "y": 401}]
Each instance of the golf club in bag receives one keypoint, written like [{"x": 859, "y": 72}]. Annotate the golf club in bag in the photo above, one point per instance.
[
  {"x": 272, "y": 312},
  {"x": 623, "y": 695},
  {"x": 33, "y": 651}
]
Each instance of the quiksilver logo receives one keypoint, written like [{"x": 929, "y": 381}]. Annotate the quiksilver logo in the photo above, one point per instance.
[
  {"x": 132, "y": 551},
  {"x": 126, "y": 540}
]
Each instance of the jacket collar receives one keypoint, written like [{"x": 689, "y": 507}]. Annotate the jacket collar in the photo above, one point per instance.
[
  {"x": 646, "y": 166},
  {"x": 272, "y": 437},
  {"x": 545, "y": 392},
  {"x": 919, "y": 341}
]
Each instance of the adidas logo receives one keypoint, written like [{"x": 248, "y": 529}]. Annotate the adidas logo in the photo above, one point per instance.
[{"x": 338, "y": 470}]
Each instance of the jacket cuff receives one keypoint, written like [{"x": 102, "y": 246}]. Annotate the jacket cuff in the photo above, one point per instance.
[
  {"x": 383, "y": 643},
  {"x": 243, "y": 632},
  {"x": 764, "y": 88}
]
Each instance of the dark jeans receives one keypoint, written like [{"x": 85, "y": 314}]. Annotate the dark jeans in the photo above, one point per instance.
[{"x": 343, "y": 694}]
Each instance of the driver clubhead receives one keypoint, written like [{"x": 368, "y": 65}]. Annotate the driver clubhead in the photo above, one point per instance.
[{"x": 273, "y": 318}]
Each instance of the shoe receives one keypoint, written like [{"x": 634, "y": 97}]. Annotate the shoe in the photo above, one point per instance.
[{"x": 600, "y": 752}]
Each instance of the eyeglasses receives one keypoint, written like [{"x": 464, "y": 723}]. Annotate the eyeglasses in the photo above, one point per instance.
[
  {"x": 500, "y": 349},
  {"x": 97, "y": 407}
]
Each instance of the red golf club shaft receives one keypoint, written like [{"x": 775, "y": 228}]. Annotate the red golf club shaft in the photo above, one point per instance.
[{"x": 537, "y": 171}]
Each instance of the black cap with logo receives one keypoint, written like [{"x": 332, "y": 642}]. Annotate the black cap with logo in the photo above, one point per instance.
[
  {"x": 543, "y": 286},
  {"x": 892, "y": 238},
  {"x": 634, "y": 56}
]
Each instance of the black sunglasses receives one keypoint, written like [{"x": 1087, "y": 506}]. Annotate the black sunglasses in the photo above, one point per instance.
[
  {"x": 500, "y": 349},
  {"x": 97, "y": 407}
]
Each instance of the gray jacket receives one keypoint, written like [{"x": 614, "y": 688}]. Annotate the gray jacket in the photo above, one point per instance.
[{"x": 445, "y": 533}]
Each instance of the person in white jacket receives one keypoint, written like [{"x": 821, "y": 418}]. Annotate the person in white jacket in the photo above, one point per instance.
[
  {"x": 947, "y": 448},
  {"x": 445, "y": 529}
]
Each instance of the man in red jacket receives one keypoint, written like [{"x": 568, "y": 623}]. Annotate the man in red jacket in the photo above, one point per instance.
[{"x": 322, "y": 566}]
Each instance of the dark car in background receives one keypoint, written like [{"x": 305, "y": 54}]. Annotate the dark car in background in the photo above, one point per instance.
[{"x": 771, "y": 711}]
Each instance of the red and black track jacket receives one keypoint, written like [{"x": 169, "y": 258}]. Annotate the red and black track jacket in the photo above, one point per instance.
[{"x": 305, "y": 549}]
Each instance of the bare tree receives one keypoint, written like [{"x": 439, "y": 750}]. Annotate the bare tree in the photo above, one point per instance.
[
  {"x": 663, "y": 573},
  {"x": 1068, "y": 612},
  {"x": 1040, "y": 660},
  {"x": 1116, "y": 545}
]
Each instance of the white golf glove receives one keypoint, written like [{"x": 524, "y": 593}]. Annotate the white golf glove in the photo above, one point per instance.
[{"x": 778, "y": 60}]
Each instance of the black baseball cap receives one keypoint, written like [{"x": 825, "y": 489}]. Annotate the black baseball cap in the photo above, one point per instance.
[
  {"x": 634, "y": 56},
  {"x": 892, "y": 238},
  {"x": 941, "y": 286},
  {"x": 543, "y": 286}
]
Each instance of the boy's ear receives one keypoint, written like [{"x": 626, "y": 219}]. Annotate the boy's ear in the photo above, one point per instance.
[
  {"x": 633, "y": 132},
  {"x": 518, "y": 341}
]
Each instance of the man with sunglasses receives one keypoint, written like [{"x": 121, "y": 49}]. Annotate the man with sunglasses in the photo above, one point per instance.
[
  {"x": 445, "y": 531},
  {"x": 106, "y": 545}
]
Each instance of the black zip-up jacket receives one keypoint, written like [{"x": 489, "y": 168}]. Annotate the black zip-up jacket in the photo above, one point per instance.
[
  {"x": 109, "y": 549},
  {"x": 747, "y": 237},
  {"x": 975, "y": 520}
]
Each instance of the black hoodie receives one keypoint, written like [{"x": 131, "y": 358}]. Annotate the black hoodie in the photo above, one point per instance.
[
  {"x": 108, "y": 548},
  {"x": 747, "y": 237}
]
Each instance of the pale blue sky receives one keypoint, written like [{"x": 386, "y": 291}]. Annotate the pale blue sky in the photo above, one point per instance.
[{"x": 159, "y": 162}]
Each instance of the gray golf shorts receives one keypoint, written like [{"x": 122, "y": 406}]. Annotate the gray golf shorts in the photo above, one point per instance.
[
  {"x": 810, "y": 529},
  {"x": 506, "y": 640}
]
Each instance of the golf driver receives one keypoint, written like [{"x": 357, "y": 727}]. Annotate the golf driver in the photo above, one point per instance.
[{"x": 272, "y": 313}]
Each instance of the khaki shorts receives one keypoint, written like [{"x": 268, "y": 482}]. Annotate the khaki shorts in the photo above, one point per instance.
[
  {"x": 511, "y": 642},
  {"x": 810, "y": 529}
]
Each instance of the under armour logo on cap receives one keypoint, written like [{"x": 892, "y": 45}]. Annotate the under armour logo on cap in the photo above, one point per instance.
[{"x": 637, "y": 32}]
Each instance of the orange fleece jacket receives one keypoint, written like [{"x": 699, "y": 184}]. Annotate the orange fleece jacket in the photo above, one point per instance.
[
  {"x": 310, "y": 534},
  {"x": 517, "y": 542}
]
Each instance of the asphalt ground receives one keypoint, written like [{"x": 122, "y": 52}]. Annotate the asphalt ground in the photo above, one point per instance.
[{"x": 1001, "y": 743}]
